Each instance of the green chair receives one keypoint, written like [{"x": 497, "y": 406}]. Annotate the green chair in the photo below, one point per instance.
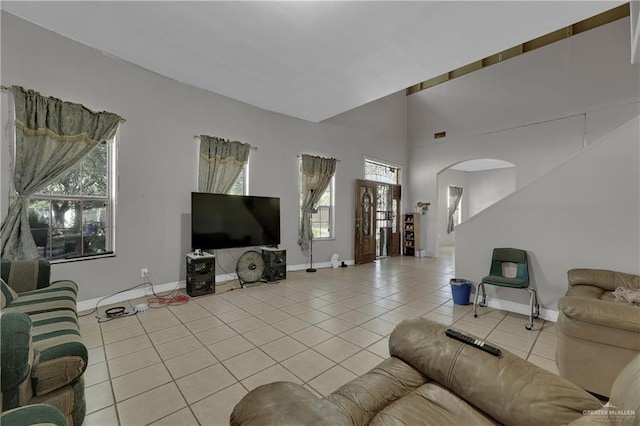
[{"x": 521, "y": 280}]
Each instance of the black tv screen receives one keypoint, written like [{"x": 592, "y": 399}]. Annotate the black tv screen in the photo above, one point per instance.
[{"x": 220, "y": 221}]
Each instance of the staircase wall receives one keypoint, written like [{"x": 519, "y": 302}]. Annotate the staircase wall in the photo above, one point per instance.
[{"x": 583, "y": 213}]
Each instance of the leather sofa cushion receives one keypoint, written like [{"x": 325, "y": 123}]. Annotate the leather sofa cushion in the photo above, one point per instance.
[
  {"x": 605, "y": 279},
  {"x": 506, "y": 388},
  {"x": 614, "y": 337},
  {"x": 590, "y": 292},
  {"x": 285, "y": 403},
  {"x": 595, "y": 311},
  {"x": 626, "y": 393},
  {"x": 362, "y": 398},
  {"x": 431, "y": 404}
]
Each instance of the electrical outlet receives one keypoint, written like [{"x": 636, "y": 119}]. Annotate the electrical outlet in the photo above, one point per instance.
[{"x": 144, "y": 272}]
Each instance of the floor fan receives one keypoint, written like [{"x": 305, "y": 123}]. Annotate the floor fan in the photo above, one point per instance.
[{"x": 250, "y": 267}]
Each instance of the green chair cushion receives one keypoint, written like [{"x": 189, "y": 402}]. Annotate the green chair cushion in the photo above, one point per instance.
[{"x": 505, "y": 282}]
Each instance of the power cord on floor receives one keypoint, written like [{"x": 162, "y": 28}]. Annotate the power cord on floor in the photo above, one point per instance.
[
  {"x": 172, "y": 298},
  {"x": 116, "y": 312},
  {"x": 106, "y": 297}
]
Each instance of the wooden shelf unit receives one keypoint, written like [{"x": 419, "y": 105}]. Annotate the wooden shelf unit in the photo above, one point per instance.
[{"x": 410, "y": 234}]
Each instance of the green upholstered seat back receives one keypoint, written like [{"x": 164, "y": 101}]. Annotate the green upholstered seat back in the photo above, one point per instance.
[
  {"x": 26, "y": 275},
  {"x": 509, "y": 255}
]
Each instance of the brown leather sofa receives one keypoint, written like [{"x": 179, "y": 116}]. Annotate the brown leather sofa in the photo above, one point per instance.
[
  {"x": 597, "y": 337},
  {"x": 431, "y": 379}
]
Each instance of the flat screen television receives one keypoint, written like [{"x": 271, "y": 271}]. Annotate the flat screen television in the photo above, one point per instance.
[{"x": 220, "y": 221}]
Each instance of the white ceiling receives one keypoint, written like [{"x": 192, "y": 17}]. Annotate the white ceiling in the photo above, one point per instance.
[{"x": 306, "y": 59}]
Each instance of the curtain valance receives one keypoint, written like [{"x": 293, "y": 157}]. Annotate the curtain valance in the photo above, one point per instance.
[
  {"x": 221, "y": 162},
  {"x": 38, "y": 115}
]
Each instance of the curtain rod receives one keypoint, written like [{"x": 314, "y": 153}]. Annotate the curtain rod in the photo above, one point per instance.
[{"x": 255, "y": 148}]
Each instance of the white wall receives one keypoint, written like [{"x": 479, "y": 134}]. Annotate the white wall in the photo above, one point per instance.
[
  {"x": 535, "y": 111},
  {"x": 386, "y": 117},
  {"x": 535, "y": 150},
  {"x": 158, "y": 155},
  {"x": 481, "y": 189},
  {"x": 583, "y": 214},
  {"x": 486, "y": 187}
]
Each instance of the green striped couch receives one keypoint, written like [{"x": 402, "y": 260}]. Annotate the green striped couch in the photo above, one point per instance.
[{"x": 42, "y": 356}]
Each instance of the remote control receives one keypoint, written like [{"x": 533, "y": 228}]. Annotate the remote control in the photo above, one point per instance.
[{"x": 480, "y": 344}]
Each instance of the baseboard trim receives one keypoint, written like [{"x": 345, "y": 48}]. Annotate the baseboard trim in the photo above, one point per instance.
[
  {"x": 317, "y": 265},
  {"x": 520, "y": 308},
  {"x": 126, "y": 295}
]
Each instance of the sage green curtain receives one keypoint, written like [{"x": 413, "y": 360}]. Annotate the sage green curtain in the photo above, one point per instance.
[
  {"x": 316, "y": 176},
  {"x": 51, "y": 137},
  {"x": 455, "y": 195},
  {"x": 221, "y": 162}
]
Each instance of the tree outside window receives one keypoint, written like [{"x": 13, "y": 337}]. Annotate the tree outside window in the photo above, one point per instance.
[{"x": 73, "y": 217}]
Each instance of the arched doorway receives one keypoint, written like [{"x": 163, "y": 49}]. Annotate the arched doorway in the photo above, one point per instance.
[{"x": 475, "y": 185}]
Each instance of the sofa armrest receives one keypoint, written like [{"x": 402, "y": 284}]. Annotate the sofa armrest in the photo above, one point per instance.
[
  {"x": 16, "y": 358},
  {"x": 507, "y": 388},
  {"x": 285, "y": 403},
  {"x": 23, "y": 276},
  {"x": 602, "y": 278},
  {"x": 36, "y": 414},
  {"x": 601, "y": 312}
]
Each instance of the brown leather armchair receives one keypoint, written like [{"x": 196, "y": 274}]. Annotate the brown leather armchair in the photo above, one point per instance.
[
  {"x": 431, "y": 379},
  {"x": 597, "y": 337}
]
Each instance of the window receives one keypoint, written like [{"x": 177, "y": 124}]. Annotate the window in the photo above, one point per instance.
[
  {"x": 240, "y": 186},
  {"x": 74, "y": 216},
  {"x": 457, "y": 215},
  {"x": 322, "y": 216},
  {"x": 381, "y": 172}
]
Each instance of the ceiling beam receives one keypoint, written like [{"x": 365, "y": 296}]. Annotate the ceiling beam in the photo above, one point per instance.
[{"x": 545, "y": 40}]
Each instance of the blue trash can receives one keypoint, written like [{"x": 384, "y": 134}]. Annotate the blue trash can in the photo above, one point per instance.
[{"x": 461, "y": 291}]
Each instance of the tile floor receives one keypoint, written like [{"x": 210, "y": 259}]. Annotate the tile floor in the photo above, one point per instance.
[{"x": 190, "y": 364}]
